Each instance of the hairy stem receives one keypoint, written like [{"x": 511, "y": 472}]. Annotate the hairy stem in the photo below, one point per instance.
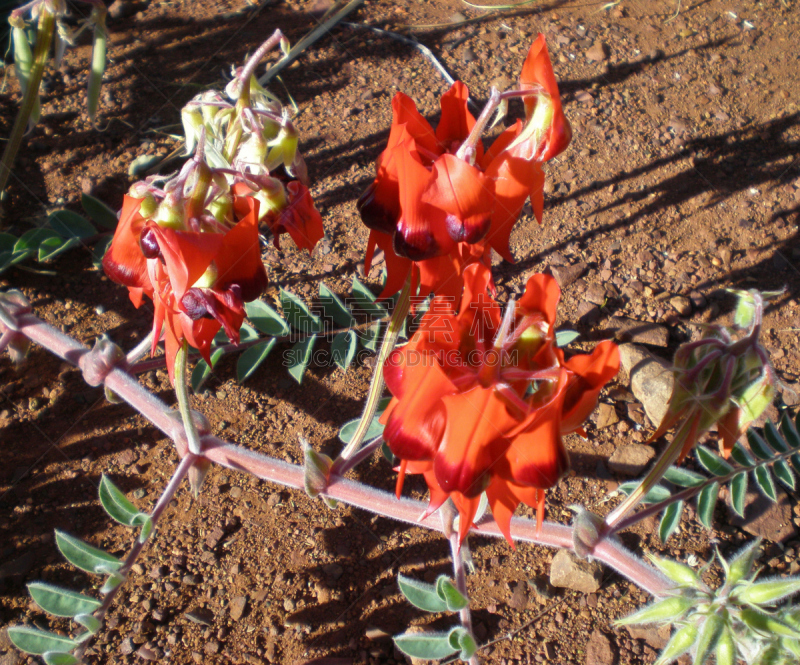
[
  {"x": 44, "y": 36},
  {"x": 376, "y": 387},
  {"x": 182, "y": 392}
]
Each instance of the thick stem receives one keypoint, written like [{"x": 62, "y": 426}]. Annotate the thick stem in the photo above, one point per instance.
[
  {"x": 163, "y": 501},
  {"x": 376, "y": 387},
  {"x": 182, "y": 392},
  {"x": 44, "y": 36},
  {"x": 376, "y": 501},
  {"x": 467, "y": 149}
]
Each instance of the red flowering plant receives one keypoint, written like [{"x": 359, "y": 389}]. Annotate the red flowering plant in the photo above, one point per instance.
[
  {"x": 439, "y": 201},
  {"x": 481, "y": 400}
]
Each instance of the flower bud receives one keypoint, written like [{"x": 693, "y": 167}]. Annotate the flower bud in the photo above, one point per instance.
[
  {"x": 192, "y": 119},
  {"x": 283, "y": 147},
  {"x": 768, "y": 592},
  {"x": 169, "y": 215}
]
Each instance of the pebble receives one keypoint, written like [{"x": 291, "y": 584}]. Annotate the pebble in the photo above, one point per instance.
[
  {"x": 569, "y": 571},
  {"x": 597, "y": 53},
  {"x": 631, "y": 459},
  {"x": 237, "y": 607},
  {"x": 682, "y": 305},
  {"x": 605, "y": 416},
  {"x": 599, "y": 650},
  {"x": 568, "y": 274},
  {"x": 651, "y": 379},
  {"x": 640, "y": 332}
]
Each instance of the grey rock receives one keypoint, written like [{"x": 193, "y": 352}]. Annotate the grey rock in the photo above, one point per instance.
[
  {"x": 651, "y": 380},
  {"x": 333, "y": 571},
  {"x": 631, "y": 459},
  {"x": 588, "y": 313},
  {"x": 569, "y": 571},
  {"x": 202, "y": 616}
]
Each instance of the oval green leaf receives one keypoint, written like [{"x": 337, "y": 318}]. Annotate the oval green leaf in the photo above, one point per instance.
[
  {"x": 300, "y": 357},
  {"x": 61, "y": 602},
  {"x": 266, "y": 319},
  {"x": 670, "y": 520},
  {"x": 430, "y": 646},
  {"x": 298, "y": 315},
  {"x": 252, "y": 358},
  {"x": 37, "y": 642},
  {"x": 421, "y": 595},
  {"x": 99, "y": 212},
  {"x": 84, "y": 556},
  {"x": 116, "y": 503},
  {"x": 70, "y": 224}
]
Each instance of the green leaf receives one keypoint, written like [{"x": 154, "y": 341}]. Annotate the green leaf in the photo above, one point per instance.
[
  {"x": 774, "y": 437},
  {"x": 741, "y": 565},
  {"x": 764, "y": 480},
  {"x": 99, "y": 212},
  {"x": 35, "y": 641},
  {"x": 99, "y": 251},
  {"x": 566, "y": 337},
  {"x": 781, "y": 469},
  {"x": 146, "y": 522},
  {"x": 61, "y": 602},
  {"x": 678, "y": 572},
  {"x": 670, "y": 520},
  {"x": 709, "y": 636},
  {"x": 30, "y": 240},
  {"x": 430, "y": 646},
  {"x": 300, "y": 357},
  {"x": 467, "y": 645},
  {"x": 375, "y": 428},
  {"x": 116, "y": 503},
  {"x": 334, "y": 308},
  {"x": 661, "y": 611},
  {"x": 706, "y": 501},
  {"x": 680, "y": 642},
  {"x": 246, "y": 334},
  {"x": 657, "y": 492},
  {"x": 202, "y": 370},
  {"x": 683, "y": 477},
  {"x": 421, "y": 595},
  {"x": 298, "y": 315},
  {"x": 266, "y": 319},
  {"x": 141, "y": 164},
  {"x": 787, "y": 429},
  {"x": 111, "y": 583},
  {"x": 84, "y": 556},
  {"x": 712, "y": 462},
  {"x": 768, "y": 592},
  {"x": 252, "y": 358},
  {"x": 89, "y": 622},
  {"x": 739, "y": 492},
  {"x": 343, "y": 348},
  {"x": 370, "y": 336},
  {"x": 7, "y": 242},
  {"x": 758, "y": 445},
  {"x": 745, "y": 311},
  {"x": 58, "y": 658},
  {"x": 740, "y": 455},
  {"x": 49, "y": 248},
  {"x": 70, "y": 224},
  {"x": 365, "y": 300},
  {"x": 450, "y": 595}
]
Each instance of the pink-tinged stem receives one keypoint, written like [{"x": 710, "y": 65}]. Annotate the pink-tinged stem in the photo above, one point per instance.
[{"x": 607, "y": 550}]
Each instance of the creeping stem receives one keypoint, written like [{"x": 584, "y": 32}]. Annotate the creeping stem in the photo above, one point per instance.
[{"x": 44, "y": 35}]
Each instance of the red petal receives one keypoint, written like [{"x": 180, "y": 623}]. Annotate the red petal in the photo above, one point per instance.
[
  {"x": 187, "y": 255},
  {"x": 477, "y": 423},
  {"x": 200, "y": 334},
  {"x": 479, "y": 315},
  {"x": 124, "y": 262},
  {"x": 465, "y": 194},
  {"x": 239, "y": 258},
  {"x": 405, "y": 113},
  {"x": 590, "y": 372},
  {"x": 504, "y": 497},
  {"x": 441, "y": 275},
  {"x": 514, "y": 180},
  {"x": 542, "y": 294},
  {"x": 397, "y": 267},
  {"x": 300, "y": 217},
  {"x": 456, "y": 122},
  {"x": 467, "y": 507}
]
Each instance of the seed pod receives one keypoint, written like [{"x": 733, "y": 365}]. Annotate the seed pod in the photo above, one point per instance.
[
  {"x": 661, "y": 611},
  {"x": 768, "y": 592},
  {"x": 23, "y": 62},
  {"x": 726, "y": 648},
  {"x": 679, "y": 643}
]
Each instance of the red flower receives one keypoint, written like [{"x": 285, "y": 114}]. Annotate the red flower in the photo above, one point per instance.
[
  {"x": 198, "y": 281},
  {"x": 440, "y": 211},
  {"x": 480, "y": 403}
]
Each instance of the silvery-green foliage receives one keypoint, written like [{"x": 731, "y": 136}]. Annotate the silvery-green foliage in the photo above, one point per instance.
[{"x": 744, "y": 619}]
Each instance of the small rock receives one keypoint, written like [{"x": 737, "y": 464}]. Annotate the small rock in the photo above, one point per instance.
[
  {"x": 764, "y": 519},
  {"x": 237, "y": 607},
  {"x": 631, "y": 459},
  {"x": 639, "y": 332},
  {"x": 655, "y": 637},
  {"x": 682, "y": 305},
  {"x": 519, "y": 599},
  {"x": 213, "y": 538},
  {"x": 211, "y": 647},
  {"x": 595, "y": 293},
  {"x": 599, "y": 650},
  {"x": 127, "y": 646},
  {"x": 374, "y": 633},
  {"x": 568, "y": 570},
  {"x": 605, "y": 416},
  {"x": 236, "y": 492},
  {"x": 650, "y": 378},
  {"x": 202, "y": 616},
  {"x": 146, "y": 654},
  {"x": 597, "y": 53},
  {"x": 588, "y": 313},
  {"x": 333, "y": 570},
  {"x": 568, "y": 274}
]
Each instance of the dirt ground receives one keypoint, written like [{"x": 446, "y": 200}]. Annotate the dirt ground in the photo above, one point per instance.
[{"x": 682, "y": 180}]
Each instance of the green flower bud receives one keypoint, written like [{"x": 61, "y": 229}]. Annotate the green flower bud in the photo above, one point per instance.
[
  {"x": 768, "y": 592},
  {"x": 767, "y": 625},
  {"x": 169, "y": 215},
  {"x": 726, "y": 648},
  {"x": 220, "y": 207},
  {"x": 192, "y": 119},
  {"x": 679, "y": 643},
  {"x": 283, "y": 148},
  {"x": 677, "y": 572},
  {"x": 148, "y": 207},
  {"x": 742, "y": 564},
  {"x": 661, "y": 611}
]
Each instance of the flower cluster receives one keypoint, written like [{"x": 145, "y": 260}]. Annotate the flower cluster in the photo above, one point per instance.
[
  {"x": 481, "y": 399},
  {"x": 190, "y": 242},
  {"x": 440, "y": 202}
]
